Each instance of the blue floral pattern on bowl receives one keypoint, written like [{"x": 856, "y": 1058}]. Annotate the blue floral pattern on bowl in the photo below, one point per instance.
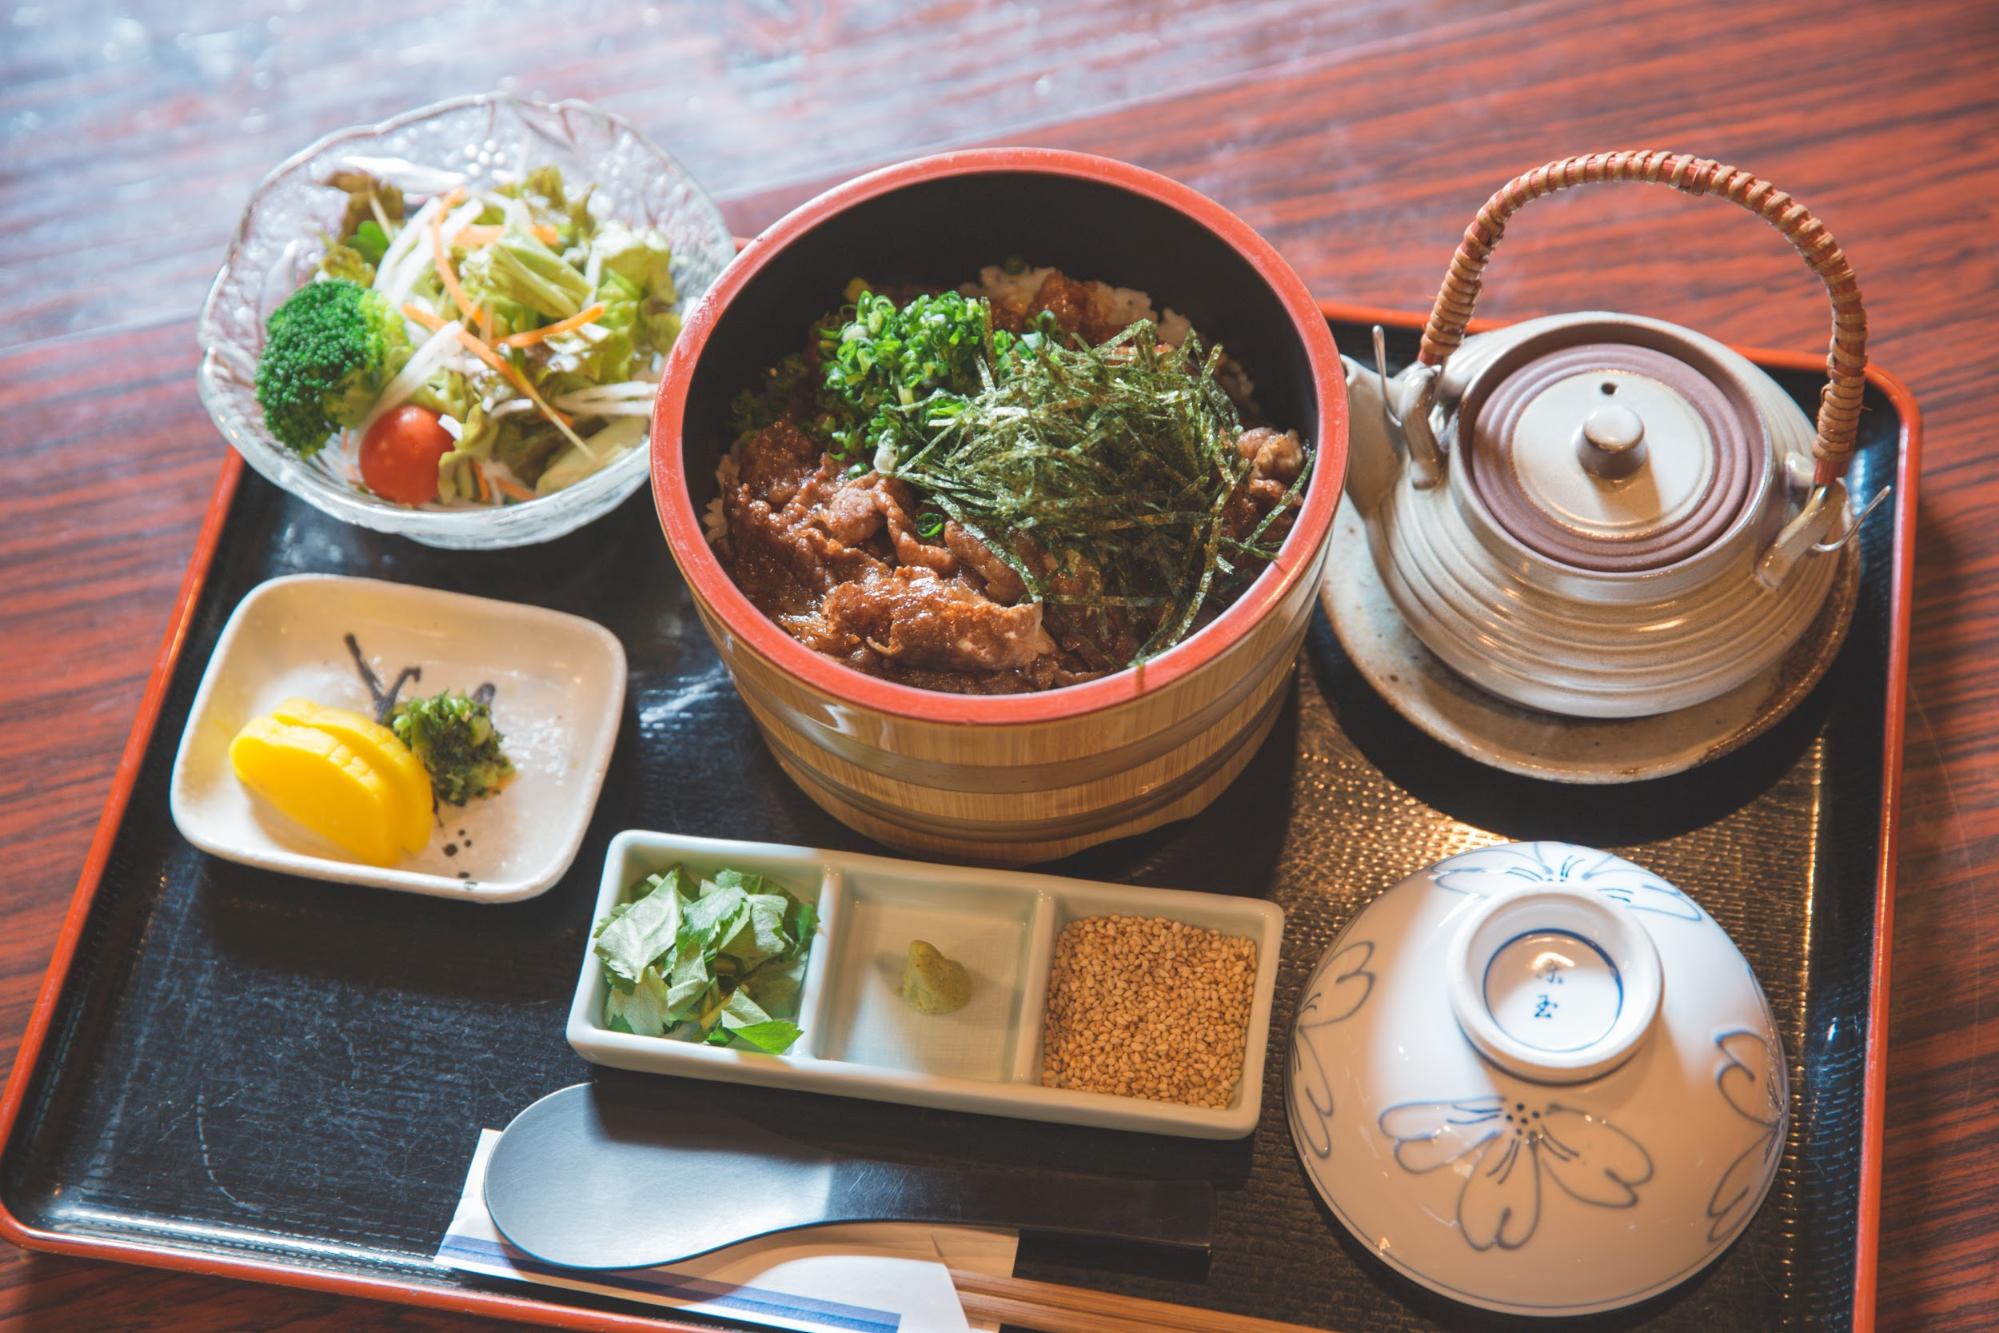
[
  {"x": 1496, "y": 869},
  {"x": 1342, "y": 987},
  {"x": 1514, "y": 1149},
  {"x": 1751, "y": 1082}
]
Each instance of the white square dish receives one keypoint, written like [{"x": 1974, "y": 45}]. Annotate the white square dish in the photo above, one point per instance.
[
  {"x": 560, "y": 684},
  {"x": 860, "y": 1039}
]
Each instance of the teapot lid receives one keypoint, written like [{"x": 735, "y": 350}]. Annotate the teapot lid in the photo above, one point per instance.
[{"x": 1613, "y": 447}]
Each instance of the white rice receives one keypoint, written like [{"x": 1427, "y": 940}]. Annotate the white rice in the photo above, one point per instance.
[{"x": 713, "y": 522}]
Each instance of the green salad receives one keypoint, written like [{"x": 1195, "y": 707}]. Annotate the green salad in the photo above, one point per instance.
[
  {"x": 718, "y": 960},
  {"x": 484, "y": 348}
]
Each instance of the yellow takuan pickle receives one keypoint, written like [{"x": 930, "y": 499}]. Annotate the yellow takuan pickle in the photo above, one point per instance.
[
  {"x": 386, "y": 754},
  {"x": 332, "y": 771}
]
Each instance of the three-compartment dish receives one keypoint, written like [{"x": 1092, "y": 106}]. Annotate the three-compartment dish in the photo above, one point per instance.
[{"x": 858, "y": 1036}]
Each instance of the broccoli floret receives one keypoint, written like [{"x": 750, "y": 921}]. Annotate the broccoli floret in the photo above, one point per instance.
[
  {"x": 454, "y": 737},
  {"x": 329, "y": 350}
]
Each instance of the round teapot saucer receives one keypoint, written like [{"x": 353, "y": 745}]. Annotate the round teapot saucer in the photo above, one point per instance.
[
  {"x": 1483, "y": 727},
  {"x": 1538, "y": 1079}
]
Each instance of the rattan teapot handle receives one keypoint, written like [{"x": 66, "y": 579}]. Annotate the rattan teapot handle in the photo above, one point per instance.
[{"x": 1846, "y": 361}]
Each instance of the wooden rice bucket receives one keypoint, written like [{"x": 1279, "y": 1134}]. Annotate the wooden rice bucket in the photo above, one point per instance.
[{"x": 1029, "y": 777}]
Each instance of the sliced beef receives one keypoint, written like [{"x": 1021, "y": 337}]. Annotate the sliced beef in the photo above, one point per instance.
[
  {"x": 1276, "y": 459},
  {"x": 852, "y": 514},
  {"x": 799, "y": 536},
  {"x": 773, "y": 463},
  {"x": 1273, "y": 454},
  {"x": 914, "y": 617},
  {"x": 1001, "y": 583},
  {"x": 897, "y": 503},
  {"x": 839, "y": 561},
  {"x": 1079, "y": 307}
]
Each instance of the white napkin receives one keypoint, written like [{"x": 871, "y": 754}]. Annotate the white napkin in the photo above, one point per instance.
[{"x": 874, "y": 1277}]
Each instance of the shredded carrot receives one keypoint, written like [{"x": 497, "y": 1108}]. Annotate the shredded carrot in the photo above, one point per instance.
[
  {"x": 479, "y": 476},
  {"x": 441, "y": 260},
  {"x": 587, "y": 315},
  {"x": 487, "y": 233},
  {"x": 514, "y": 489},
  {"x": 518, "y": 380},
  {"x": 472, "y": 344}
]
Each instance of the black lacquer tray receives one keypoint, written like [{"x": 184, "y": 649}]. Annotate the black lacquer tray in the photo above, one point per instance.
[{"x": 234, "y": 1071}]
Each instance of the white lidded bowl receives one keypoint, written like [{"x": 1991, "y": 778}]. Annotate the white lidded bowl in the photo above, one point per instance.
[
  {"x": 484, "y": 139},
  {"x": 1538, "y": 1079}
]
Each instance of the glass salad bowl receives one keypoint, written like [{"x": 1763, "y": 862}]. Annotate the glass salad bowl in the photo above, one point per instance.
[{"x": 491, "y": 138}]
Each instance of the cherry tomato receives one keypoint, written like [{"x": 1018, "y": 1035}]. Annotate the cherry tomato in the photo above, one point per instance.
[{"x": 399, "y": 454}]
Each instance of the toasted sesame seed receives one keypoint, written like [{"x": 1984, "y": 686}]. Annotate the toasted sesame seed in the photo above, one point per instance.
[{"x": 1148, "y": 1007}]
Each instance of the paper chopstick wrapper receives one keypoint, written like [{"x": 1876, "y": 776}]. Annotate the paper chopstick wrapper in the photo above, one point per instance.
[{"x": 875, "y": 1277}]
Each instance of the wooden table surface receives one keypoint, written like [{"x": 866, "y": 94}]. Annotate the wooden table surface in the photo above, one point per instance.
[{"x": 1360, "y": 138}]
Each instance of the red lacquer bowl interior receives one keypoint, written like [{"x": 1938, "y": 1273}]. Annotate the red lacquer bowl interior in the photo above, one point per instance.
[{"x": 937, "y": 221}]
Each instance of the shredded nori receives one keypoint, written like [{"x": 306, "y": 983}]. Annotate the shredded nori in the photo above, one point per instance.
[
  {"x": 1121, "y": 456},
  {"x": 1101, "y": 475}
]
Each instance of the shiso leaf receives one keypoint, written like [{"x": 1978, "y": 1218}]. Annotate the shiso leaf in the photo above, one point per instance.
[
  {"x": 773, "y": 1036},
  {"x": 629, "y": 941},
  {"x": 742, "y": 1020},
  {"x": 641, "y": 1010},
  {"x": 723, "y": 965},
  {"x": 776, "y": 985},
  {"x": 714, "y": 917}
]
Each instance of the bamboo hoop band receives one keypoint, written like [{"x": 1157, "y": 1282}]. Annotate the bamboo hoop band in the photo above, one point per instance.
[{"x": 1846, "y": 358}]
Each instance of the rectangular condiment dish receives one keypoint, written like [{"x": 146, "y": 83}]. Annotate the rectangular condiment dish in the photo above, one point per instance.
[{"x": 861, "y": 1039}]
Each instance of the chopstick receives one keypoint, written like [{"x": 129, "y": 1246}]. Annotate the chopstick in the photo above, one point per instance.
[{"x": 1050, "y": 1307}]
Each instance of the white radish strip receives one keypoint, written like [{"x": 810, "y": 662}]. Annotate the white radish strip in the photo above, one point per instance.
[
  {"x": 589, "y": 405},
  {"x": 404, "y": 174},
  {"x": 421, "y": 261},
  {"x": 602, "y": 407},
  {"x": 460, "y": 220},
  {"x": 437, "y": 350},
  {"x": 452, "y": 425},
  {"x": 518, "y": 216},
  {"x": 416, "y": 259},
  {"x": 619, "y": 391},
  {"x": 415, "y": 229}
]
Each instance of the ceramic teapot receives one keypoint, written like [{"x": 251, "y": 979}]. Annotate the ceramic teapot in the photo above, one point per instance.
[{"x": 1603, "y": 515}]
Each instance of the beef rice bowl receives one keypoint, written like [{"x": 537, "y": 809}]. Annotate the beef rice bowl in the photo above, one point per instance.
[
  {"x": 1022, "y": 483},
  {"x": 987, "y": 554}
]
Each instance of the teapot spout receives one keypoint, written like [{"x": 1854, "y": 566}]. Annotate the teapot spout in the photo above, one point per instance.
[
  {"x": 1388, "y": 420},
  {"x": 1374, "y": 456}
]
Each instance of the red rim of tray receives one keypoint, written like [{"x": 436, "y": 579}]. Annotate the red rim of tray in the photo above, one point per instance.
[{"x": 698, "y": 565}]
